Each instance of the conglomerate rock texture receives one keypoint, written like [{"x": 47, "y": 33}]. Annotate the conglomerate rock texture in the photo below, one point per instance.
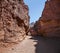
[
  {"x": 49, "y": 23},
  {"x": 14, "y": 20}
]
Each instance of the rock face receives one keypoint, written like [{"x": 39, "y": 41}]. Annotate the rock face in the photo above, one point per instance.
[
  {"x": 32, "y": 31},
  {"x": 14, "y": 20},
  {"x": 49, "y": 23}
]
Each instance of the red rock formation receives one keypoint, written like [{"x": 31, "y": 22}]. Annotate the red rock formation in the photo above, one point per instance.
[
  {"x": 14, "y": 20},
  {"x": 49, "y": 23}
]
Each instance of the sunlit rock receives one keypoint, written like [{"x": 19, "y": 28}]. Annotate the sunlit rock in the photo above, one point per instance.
[
  {"x": 49, "y": 23},
  {"x": 14, "y": 20}
]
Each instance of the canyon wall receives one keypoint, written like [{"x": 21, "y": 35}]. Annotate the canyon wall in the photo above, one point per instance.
[
  {"x": 49, "y": 23},
  {"x": 14, "y": 20}
]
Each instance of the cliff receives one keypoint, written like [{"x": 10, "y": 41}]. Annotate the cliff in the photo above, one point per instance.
[
  {"x": 49, "y": 23},
  {"x": 14, "y": 20}
]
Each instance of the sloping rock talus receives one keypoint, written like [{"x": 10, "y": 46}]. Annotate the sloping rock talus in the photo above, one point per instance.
[
  {"x": 14, "y": 20},
  {"x": 49, "y": 23}
]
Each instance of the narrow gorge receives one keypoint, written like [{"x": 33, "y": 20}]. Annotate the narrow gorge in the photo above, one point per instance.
[{"x": 17, "y": 35}]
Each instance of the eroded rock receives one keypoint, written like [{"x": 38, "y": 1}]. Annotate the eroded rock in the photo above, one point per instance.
[{"x": 14, "y": 20}]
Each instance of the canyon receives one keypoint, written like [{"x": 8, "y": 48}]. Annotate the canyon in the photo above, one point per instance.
[{"x": 15, "y": 28}]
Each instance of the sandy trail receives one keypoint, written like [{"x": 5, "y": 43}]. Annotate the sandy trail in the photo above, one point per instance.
[
  {"x": 26, "y": 46},
  {"x": 34, "y": 44}
]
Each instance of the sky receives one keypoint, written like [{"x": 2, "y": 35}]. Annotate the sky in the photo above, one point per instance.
[{"x": 35, "y": 9}]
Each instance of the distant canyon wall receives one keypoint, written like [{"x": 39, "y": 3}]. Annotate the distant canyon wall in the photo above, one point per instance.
[{"x": 14, "y": 20}]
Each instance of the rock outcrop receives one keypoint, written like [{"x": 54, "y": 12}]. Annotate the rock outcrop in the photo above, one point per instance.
[
  {"x": 14, "y": 20},
  {"x": 49, "y": 23}
]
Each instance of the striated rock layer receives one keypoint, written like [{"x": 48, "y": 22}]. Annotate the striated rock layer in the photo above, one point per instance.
[
  {"x": 49, "y": 23},
  {"x": 14, "y": 20}
]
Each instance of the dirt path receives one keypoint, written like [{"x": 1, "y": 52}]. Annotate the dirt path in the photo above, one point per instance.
[
  {"x": 26, "y": 46},
  {"x": 35, "y": 44}
]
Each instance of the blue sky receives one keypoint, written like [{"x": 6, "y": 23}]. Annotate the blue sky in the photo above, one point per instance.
[{"x": 35, "y": 9}]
